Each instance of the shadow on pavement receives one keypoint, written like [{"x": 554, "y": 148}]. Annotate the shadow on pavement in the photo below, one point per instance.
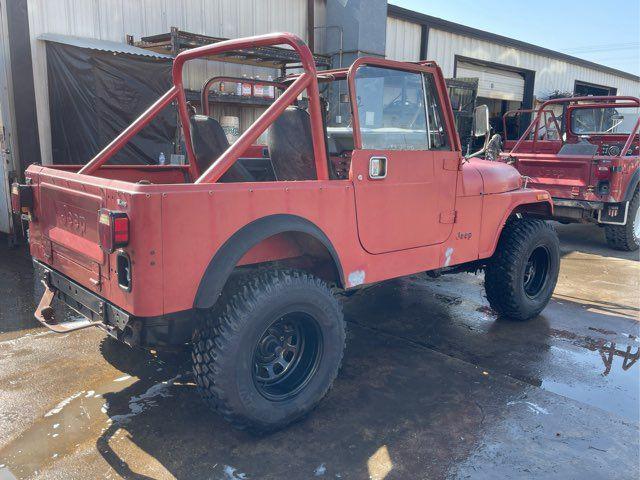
[{"x": 588, "y": 238}]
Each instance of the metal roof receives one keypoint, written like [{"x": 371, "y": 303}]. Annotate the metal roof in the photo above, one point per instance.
[
  {"x": 102, "y": 45},
  {"x": 447, "y": 26}
]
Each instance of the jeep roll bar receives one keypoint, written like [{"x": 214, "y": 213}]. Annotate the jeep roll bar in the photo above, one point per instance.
[
  {"x": 601, "y": 101},
  {"x": 306, "y": 81},
  {"x": 524, "y": 111}
]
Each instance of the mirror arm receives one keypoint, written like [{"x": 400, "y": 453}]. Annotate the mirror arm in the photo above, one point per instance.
[{"x": 487, "y": 137}]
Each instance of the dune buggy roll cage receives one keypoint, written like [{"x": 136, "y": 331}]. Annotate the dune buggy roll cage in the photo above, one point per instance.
[
  {"x": 612, "y": 101},
  {"x": 305, "y": 81}
]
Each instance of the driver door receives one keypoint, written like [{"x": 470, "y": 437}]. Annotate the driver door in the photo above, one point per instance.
[{"x": 404, "y": 169}]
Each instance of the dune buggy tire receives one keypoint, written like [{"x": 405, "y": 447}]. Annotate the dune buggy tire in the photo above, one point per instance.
[
  {"x": 521, "y": 275},
  {"x": 271, "y": 352},
  {"x": 626, "y": 237}
]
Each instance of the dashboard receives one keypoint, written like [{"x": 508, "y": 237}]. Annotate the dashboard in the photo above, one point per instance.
[{"x": 614, "y": 149}]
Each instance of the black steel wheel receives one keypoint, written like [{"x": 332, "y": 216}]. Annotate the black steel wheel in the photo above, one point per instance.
[
  {"x": 536, "y": 271},
  {"x": 269, "y": 353},
  {"x": 521, "y": 275},
  {"x": 287, "y": 356}
]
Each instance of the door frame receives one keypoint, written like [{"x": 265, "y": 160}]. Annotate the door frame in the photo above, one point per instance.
[{"x": 422, "y": 67}]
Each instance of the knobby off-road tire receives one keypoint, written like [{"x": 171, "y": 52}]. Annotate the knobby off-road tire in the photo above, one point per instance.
[
  {"x": 522, "y": 274},
  {"x": 626, "y": 237},
  {"x": 271, "y": 352}
]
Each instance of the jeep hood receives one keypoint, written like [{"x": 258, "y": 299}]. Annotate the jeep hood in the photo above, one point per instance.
[{"x": 497, "y": 177}]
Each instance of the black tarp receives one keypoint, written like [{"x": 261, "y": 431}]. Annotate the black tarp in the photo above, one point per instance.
[{"x": 95, "y": 94}]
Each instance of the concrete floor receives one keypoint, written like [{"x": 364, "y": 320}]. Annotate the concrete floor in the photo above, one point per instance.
[{"x": 432, "y": 386}]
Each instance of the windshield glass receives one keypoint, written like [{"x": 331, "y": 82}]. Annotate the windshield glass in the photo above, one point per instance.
[{"x": 604, "y": 120}]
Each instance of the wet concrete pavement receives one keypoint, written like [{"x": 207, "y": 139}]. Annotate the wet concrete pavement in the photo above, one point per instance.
[{"x": 433, "y": 385}]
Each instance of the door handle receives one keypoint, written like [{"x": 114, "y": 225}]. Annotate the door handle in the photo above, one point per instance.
[{"x": 377, "y": 168}]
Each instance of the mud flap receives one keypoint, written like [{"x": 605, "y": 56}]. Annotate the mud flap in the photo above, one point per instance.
[
  {"x": 46, "y": 314},
  {"x": 614, "y": 213}
]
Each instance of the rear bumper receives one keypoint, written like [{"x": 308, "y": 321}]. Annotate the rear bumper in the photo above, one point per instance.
[
  {"x": 610, "y": 213},
  {"x": 166, "y": 331}
]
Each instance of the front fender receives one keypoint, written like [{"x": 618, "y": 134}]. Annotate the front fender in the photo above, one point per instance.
[{"x": 496, "y": 210}]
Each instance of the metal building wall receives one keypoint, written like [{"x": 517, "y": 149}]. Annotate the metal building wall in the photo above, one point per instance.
[
  {"x": 114, "y": 19},
  {"x": 551, "y": 74},
  {"x": 403, "y": 43},
  {"x": 403, "y": 40}
]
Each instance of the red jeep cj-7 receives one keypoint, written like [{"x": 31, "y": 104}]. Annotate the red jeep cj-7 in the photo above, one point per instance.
[
  {"x": 589, "y": 161},
  {"x": 242, "y": 256}
]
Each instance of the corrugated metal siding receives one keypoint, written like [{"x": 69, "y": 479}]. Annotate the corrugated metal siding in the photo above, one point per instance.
[
  {"x": 113, "y": 19},
  {"x": 403, "y": 40},
  {"x": 551, "y": 74}
]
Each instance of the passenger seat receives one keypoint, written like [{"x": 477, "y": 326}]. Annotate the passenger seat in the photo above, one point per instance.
[{"x": 209, "y": 142}]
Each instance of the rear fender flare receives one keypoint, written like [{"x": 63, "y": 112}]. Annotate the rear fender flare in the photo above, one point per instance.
[{"x": 227, "y": 257}]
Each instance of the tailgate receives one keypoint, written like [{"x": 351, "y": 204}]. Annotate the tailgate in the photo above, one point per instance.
[
  {"x": 68, "y": 219},
  {"x": 564, "y": 177}
]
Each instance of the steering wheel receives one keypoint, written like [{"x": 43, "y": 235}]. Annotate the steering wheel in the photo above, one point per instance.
[
  {"x": 398, "y": 104},
  {"x": 582, "y": 124}
]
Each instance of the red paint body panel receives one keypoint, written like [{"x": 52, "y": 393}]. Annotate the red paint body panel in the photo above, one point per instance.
[
  {"x": 415, "y": 192},
  {"x": 431, "y": 211},
  {"x": 496, "y": 177}
]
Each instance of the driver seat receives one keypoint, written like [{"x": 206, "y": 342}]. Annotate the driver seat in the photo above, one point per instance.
[{"x": 291, "y": 146}]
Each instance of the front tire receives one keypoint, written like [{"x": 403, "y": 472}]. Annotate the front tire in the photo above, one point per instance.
[
  {"x": 272, "y": 352},
  {"x": 522, "y": 274},
  {"x": 626, "y": 237}
]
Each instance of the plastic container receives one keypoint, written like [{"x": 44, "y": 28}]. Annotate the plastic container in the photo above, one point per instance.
[
  {"x": 270, "y": 89},
  {"x": 246, "y": 91},
  {"x": 231, "y": 127},
  {"x": 259, "y": 89}
]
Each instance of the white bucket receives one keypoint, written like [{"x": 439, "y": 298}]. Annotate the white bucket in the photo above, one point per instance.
[{"x": 231, "y": 127}]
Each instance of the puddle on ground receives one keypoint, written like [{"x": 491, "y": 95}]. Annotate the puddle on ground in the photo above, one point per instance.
[
  {"x": 77, "y": 420},
  {"x": 615, "y": 385}
]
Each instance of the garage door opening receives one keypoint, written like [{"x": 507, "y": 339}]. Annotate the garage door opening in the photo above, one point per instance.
[
  {"x": 584, "y": 89},
  {"x": 500, "y": 90}
]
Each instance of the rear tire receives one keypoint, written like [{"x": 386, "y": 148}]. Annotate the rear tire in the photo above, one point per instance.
[
  {"x": 522, "y": 274},
  {"x": 626, "y": 237},
  {"x": 268, "y": 356}
]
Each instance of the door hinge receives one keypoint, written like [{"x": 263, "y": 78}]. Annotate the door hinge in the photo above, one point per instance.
[
  {"x": 451, "y": 163},
  {"x": 448, "y": 217}
]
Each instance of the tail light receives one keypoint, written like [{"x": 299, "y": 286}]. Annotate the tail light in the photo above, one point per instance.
[
  {"x": 113, "y": 230},
  {"x": 22, "y": 200},
  {"x": 603, "y": 171}
]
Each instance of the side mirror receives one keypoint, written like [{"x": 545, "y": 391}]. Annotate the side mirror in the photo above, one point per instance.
[{"x": 481, "y": 121}]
